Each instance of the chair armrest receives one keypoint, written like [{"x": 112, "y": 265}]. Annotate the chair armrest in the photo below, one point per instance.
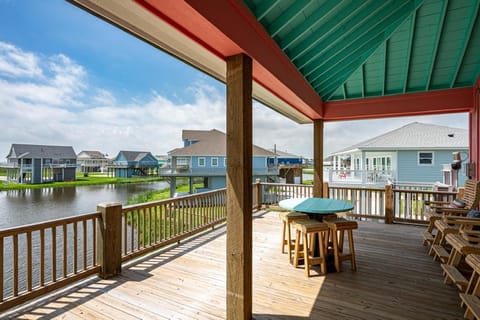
[
  {"x": 461, "y": 220},
  {"x": 472, "y": 236},
  {"x": 438, "y": 203},
  {"x": 453, "y": 211}
]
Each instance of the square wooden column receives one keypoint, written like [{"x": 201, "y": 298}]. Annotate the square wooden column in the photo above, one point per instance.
[
  {"x": 474, "y": 129},
  {"x": 239, "y": 187},
  {"x": 318, "y": 158}
]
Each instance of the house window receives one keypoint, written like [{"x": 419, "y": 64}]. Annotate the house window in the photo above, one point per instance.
[
  {"x": 201, "y": 162},
  {"x": 214, "y": 162},
  {"x": 425, "y": 158}
]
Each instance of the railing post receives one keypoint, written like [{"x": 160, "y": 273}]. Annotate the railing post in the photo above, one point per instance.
[
  {"x": 259, "y": 194},
  {"x": 326, "y": 190},
  {"x": 389, "y": 201},
  {"x": 109, "y": 240}
]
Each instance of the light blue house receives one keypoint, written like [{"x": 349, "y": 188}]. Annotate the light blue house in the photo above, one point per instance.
[
  {"x": 203, "y": 156},
  {"x": 134, "y": 163},
  {"x": 416, "y": 152}
]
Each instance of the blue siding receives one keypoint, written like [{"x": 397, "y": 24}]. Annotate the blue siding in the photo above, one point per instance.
[
  {"x": 409, "y": 170},
  {"x": 259, "y": 162}
]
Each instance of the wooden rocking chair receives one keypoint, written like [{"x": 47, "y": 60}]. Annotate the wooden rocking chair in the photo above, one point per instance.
[{"x": 438, "y": 209}]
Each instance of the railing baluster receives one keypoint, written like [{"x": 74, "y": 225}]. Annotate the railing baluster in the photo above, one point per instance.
[
  {"x": 54, "y": 254},
  {"x": 75, "y": 248},
  {"x": 15, "y": 265},
  {"x": 65, "y": 257},
  {"x": 29, "y": 261},
  {"x": 94, "y": 241},
  {"x": 42, "y": 257},
  {"x": 125, "y": 231},
  {"x": 85, "y": 249}
]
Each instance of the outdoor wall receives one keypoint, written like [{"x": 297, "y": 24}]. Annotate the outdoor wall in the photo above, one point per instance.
[{"x": 410, "y": 171}]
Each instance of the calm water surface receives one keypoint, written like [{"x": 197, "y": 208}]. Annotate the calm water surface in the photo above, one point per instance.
[{"x": 20, "y": 207}]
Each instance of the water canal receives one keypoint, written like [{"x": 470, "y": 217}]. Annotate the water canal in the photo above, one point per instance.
[{"x": 20, "y": 207}]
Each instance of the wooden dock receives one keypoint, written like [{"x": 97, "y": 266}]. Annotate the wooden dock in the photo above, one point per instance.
[{"x": 396, "y": 279}]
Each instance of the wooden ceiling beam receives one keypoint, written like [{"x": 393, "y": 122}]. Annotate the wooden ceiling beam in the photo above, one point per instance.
[{"x": 422, "y": 103}]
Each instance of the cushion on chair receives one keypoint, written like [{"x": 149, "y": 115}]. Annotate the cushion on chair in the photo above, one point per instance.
[
  {"x": 457, "y": 203},
  {"x": 473, "y": 214}
]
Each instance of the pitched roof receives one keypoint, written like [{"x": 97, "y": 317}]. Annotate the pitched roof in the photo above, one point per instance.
[
  {"x": 415, "y": 136},
  {"x": 93, "y": 154},
  {"x": 134, "y": 155},
  {"x": 35, "y": 151},
  {"x": 210, "y": 143}
]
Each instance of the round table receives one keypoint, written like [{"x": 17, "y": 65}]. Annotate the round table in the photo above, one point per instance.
[{"x": 316, "y": 207}]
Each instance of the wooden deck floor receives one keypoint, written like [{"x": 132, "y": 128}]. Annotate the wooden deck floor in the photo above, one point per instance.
[{"x": 396, "y": 279}]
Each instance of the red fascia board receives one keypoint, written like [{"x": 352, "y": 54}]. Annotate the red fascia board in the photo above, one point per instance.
[
  {"x": 226, "y": 28},
  {"x": 422, "y": 103}
]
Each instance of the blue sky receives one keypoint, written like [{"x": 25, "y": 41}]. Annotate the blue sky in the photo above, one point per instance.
[{"x": 69, "y": 78}]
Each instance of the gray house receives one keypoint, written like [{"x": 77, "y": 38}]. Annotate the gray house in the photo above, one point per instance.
[
  {"x": 417, "y": 152},
  {"x": 29, "y": 163}
]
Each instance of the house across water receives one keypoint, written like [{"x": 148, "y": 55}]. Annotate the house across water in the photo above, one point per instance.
[
  {"x": 203, "y": 155},
  {"x": 417, "y": 152},
  {"x": 30, "y": 163}
]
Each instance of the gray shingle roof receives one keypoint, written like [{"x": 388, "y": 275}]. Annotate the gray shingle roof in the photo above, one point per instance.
[
  {"x": 134, "y": 155},
  {"x": 34, "y": 151},
  {"x": 210, "y": 143},
  {"x": 415, "y": 136}
]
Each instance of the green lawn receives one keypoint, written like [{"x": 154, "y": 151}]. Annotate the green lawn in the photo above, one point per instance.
[{"x": 92, "y": 179}]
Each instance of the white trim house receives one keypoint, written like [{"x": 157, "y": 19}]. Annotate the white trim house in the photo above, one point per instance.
[{"x": 416, "y": 152}]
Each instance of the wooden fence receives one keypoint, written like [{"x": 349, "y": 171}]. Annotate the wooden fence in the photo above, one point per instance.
[{"x": 38, "y": 258}]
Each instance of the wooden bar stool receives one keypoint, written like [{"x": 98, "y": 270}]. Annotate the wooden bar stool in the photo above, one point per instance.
[
  {"x": 318, "y": 233},
  {"x": 338, "y": 227},
  {"x": 288, "y": 218}
]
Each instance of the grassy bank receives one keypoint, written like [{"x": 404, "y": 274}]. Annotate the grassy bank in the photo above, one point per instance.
[
  {"x": 81, "y": 181},
  {"x": 155, "y": 195}
]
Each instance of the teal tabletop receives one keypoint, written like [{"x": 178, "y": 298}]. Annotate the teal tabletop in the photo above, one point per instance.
[{"x": 316, "y": 205}]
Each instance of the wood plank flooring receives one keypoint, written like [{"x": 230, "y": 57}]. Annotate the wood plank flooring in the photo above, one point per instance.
[{"x": 396, "y": 279}]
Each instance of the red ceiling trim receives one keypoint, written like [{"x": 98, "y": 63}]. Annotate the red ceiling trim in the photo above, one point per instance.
[
  {"x": 227, "y": 28},
  {"x": 424, "y": 103}
]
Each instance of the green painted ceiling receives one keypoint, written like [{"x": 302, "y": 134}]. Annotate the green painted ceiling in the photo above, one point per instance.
[{"x": 366, "y": 48}]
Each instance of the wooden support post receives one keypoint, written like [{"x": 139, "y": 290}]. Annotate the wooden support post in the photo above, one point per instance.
[
  {"x": 109, "y": 240},
  {"x": 258, "y": 184},
  {"x": 325, "y": 190},
  {"x": 389, "y": 201},
  {"x": 317, "y": 158},
  {"x": 239, "y": 187}
]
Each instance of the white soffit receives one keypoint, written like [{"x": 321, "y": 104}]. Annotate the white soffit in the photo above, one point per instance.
[{"x": 140, "y": 22}]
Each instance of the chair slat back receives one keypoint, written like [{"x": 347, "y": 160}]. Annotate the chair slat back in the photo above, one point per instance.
[{"x": 471, "y": 195}]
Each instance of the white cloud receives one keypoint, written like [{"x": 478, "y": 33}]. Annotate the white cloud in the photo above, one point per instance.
[
  {"x": 50, "y": 101},
  {"x": 15, "y": 62}
]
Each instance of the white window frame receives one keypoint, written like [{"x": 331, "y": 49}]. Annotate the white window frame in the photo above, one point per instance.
[
  {"x": 211, "y": 161},
  {"x": 425, "y": 164},
  {"x": 204, "y": 161},
  {"x": 225, "y": 162}
]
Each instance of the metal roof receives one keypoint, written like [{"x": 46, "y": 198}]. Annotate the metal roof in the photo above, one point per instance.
[
  {"x": 354, "y": 49},
  {"x": 414, "y": 136}
]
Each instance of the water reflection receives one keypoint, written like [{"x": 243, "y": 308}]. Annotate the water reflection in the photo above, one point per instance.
[{"x": 20, "y": 207}]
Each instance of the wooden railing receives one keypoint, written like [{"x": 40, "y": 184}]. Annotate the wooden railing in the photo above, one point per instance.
[
  {"x": 46, "y": 256},
  {"x": 388, "y": 203},
  {"x": 49, "y": 255},
  {"x": 159, "y": 223}
]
